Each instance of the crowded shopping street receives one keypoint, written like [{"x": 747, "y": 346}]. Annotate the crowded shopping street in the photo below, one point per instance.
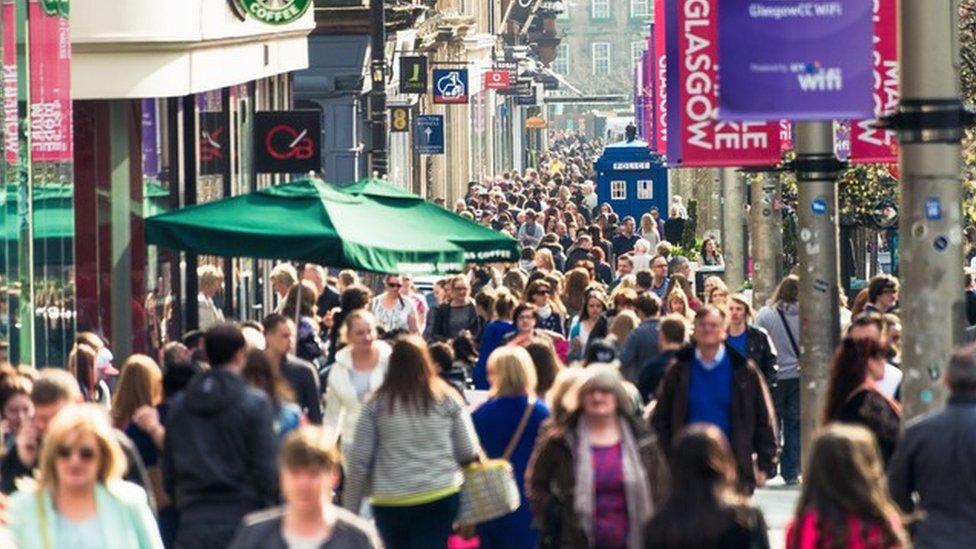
[{"x": 505, "y": 274}]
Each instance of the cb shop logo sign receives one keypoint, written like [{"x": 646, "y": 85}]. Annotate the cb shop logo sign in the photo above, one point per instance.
[{"x": 272, "y": 12}]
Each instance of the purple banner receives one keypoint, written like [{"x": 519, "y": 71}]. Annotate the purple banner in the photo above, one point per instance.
[
  {"x": 811, "y": 59},
  {"x": 150, "y": 140}
]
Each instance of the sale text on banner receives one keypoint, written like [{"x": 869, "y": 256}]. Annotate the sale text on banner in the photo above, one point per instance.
[
  {"x": 695, "y": 137},
  {"x": 50, "y": 87},
  {"x": 870, "y": 144},
  {"x": 793, "y": 59}
]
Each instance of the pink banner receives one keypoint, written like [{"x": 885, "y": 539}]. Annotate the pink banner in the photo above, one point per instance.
[
  {"x": 785, "y": 135},
  {"x": 870, "y": 144},
  {"x": 10, "y": 115},
  {"x": 648, "y": 74},
  {"x": 704, "y": 141},
  {"x": 660, "y": 112},
  {"x": 50, "y": 87}
]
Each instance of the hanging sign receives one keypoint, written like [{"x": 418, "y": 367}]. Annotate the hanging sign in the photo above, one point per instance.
[
  {"x": 50, "y": 87},
  {"x": 660, "y": 68},
  {"x": 498, "y": 79},
  {"x": 8, "y": 33},
  {"x": 520, "y": 12},
  {"x": 413, "y": 74},
  {"x": 450, "y": 86},
  {"x": 287, "y": 141},
  {"x": 799, "y": 60},
  {"x": 870, "y": 144},
  {"x": 428, "y": 134},
  {"x": 695, "y": 137},
  {"x": 399, "y": 119},
  {"x": 274, "y": 12}
]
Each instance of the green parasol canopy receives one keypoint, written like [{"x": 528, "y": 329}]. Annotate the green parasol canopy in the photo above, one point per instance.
[{"x": 370, "y": 225}]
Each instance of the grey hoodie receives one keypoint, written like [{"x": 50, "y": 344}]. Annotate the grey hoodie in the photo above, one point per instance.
[{"x": 769, "y": 319}]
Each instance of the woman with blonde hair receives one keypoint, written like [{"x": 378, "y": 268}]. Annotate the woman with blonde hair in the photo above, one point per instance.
[
  {"x": 544, "y": 261},
  {"x": 507, "y": 426},
  {"x": 140, "y": 384},
  {"x": 622, "y": 324},
  {"x": 677, "y": 303},
  {"x": 649, "y": 230},
  {"x": 80, "y": 499}
]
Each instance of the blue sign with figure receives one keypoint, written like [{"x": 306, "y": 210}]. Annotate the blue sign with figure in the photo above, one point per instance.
[
  {"x": 450, "y": 86},
  {"x": 428, "y": 134}
]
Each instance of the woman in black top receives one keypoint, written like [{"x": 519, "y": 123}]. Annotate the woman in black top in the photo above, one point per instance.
[
  {"x": 853, "y": 398},
  {"x": 704, "y": 511}
]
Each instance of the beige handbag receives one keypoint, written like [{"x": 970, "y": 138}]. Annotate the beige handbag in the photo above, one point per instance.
[{"x": 489, "y": 489}]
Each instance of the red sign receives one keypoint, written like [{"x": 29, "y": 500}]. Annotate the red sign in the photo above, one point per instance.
[
  {"x": 10, "y": 115},
  {"x": 50, "y": 87},
  {"x": 498, "y": 80},
  {"x": 785, "y": 135},
  {"x": 869, "y": 144},
  {"x": 703, "y": 140},
  {"x": 660, "y": 82}
]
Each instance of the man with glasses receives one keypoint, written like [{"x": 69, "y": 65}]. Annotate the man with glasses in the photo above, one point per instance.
[
  {"x": 659, "y": 270},
  {"x": 709, "y": 383}
]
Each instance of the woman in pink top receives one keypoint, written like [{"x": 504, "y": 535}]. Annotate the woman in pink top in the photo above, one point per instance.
[{"x": 845, "y": 501}]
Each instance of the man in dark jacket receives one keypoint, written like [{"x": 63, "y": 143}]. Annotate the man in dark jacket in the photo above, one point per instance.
[
  {"x": 279, "y": 332},
  {"x": 580, "y": 252},
  {"x": 709, "y": 382},
  {"x": 933, "y": 464},
  {"x": 219, "y": 459},
  {"x": 750, "y": 340},
  {"x": 54, "y": 390},
  {"x": 641, "y": 346}
]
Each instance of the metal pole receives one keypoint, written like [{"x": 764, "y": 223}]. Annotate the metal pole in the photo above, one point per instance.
[
  {"x": 816, "y": 172},
  {"x": 930, "y": 122},
  {"x": 766, "y": 231},
  {"x": 378, "y": 163},
  {"x": 733, "y": 236}
]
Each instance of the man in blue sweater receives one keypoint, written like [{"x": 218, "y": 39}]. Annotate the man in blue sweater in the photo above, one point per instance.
[{"x": 710, "y": 382}]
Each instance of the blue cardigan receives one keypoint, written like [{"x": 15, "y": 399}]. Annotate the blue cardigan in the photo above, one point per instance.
[{"x": 491, "y": 338}]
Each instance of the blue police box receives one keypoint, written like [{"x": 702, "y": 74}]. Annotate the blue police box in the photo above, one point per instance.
[{"x": 632, "y": 179}]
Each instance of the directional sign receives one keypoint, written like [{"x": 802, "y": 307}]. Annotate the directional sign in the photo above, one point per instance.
[
  {"x": 413, "y": 74},
  {"x": 498, "y": 79},
  {"x": 450, "y": 86},
  {"x": 287, "y": 141},
  {"x": 428, "y": 134},
  {"x": 528, "y": 100},
  {"x": 399, "y": 119}
]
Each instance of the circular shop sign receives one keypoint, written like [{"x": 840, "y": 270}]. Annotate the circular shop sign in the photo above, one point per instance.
[{"x": 275, "y": 12}]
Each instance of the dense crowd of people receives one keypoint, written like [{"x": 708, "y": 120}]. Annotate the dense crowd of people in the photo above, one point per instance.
[{"x": 629, "y": 407}]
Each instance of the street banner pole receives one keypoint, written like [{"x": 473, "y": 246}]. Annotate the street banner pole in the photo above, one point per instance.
[
  {"x": 930, "y": 123},
  {"x": 733, "y": 237},
  {"x": 378, "y": 164},
  {"x": 816, "y": 171},
  {"x": 766, "y": 233}
]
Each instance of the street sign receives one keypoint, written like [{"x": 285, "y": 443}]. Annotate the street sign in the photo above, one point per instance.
[
  {"x": 287, "y": 141},
  {"x": 498, "y": 79},
  {"x": 522, "y": 88},
  {"x": 413, "y": 74},
  {"x": 428, "y": 134},
  {"x": 528, "y": 100},
  {"x": 510, "y": 66},
  {"x": 399, "y": 119},
  {"x": 450, "y": 86}
]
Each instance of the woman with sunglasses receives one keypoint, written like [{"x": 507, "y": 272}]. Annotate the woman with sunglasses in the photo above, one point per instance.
[
  {"x": 550, "y": 317},
  {"x": 393, "y": 313},
  {"x": 80, "y": 499},
  {"x": 853, "y": 397}
]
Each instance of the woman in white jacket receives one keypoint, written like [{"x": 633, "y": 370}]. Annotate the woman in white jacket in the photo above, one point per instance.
[{"x": 359, "y": 369}]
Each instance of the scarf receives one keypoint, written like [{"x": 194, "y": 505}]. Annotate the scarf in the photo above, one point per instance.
[
  {"x": 544, "y": 312},
  {"x": 636, "y": 489}
]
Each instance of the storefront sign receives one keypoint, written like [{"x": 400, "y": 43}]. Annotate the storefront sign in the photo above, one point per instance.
[
  {"x": 213, "y": 143},
  {"x": 695, "y": 137},
  {"x": 870, "y": 144},
  {"x": 50, "y": 87},
  {"x": 428, "y": 134},
  {"x": 10, "y": 115},
  {"x": 413, "y": 74},
  {"x": 150, "y": 140},
  {"x": 811, "y": 59},
  {"x": 287, "y": 141},
  {"x": 450, "y": 86},
  {"x": 661, "y": 77},
  {"x": 399, "y": 119},
  {"x": 530, "y": 100},
  {"x": 275, "y": 12},
  {"x": 498, "y": 80}
]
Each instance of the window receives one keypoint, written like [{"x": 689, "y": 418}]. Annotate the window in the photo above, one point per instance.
[
  {"x": 618, "y": 190},
  {"x": 600, "y": 9},
  {"x": 601, "y": 58},
  {"x": 561, "y": 65},
  {"x": 645, "y": 189},
  {"x": 636, "y": 50},
  {"x": 640, "y": 9}
]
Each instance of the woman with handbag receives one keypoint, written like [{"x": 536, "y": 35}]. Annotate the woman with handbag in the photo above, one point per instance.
[
  {"x": 507, "y": 425},
  {"x": 412, "y": 439},
  {"x": 80, "y": 499},
  {"x": 596, "y": 480}
]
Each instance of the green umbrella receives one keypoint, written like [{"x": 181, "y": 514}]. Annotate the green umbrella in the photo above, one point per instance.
[{"x": 369, "y": 225}]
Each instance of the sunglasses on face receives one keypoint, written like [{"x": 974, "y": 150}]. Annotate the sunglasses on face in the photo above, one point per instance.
[
  {"x": 86, "y": 453},
  {"x": 394, "y": 285},
  {"x": 541, "y": 292}
]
